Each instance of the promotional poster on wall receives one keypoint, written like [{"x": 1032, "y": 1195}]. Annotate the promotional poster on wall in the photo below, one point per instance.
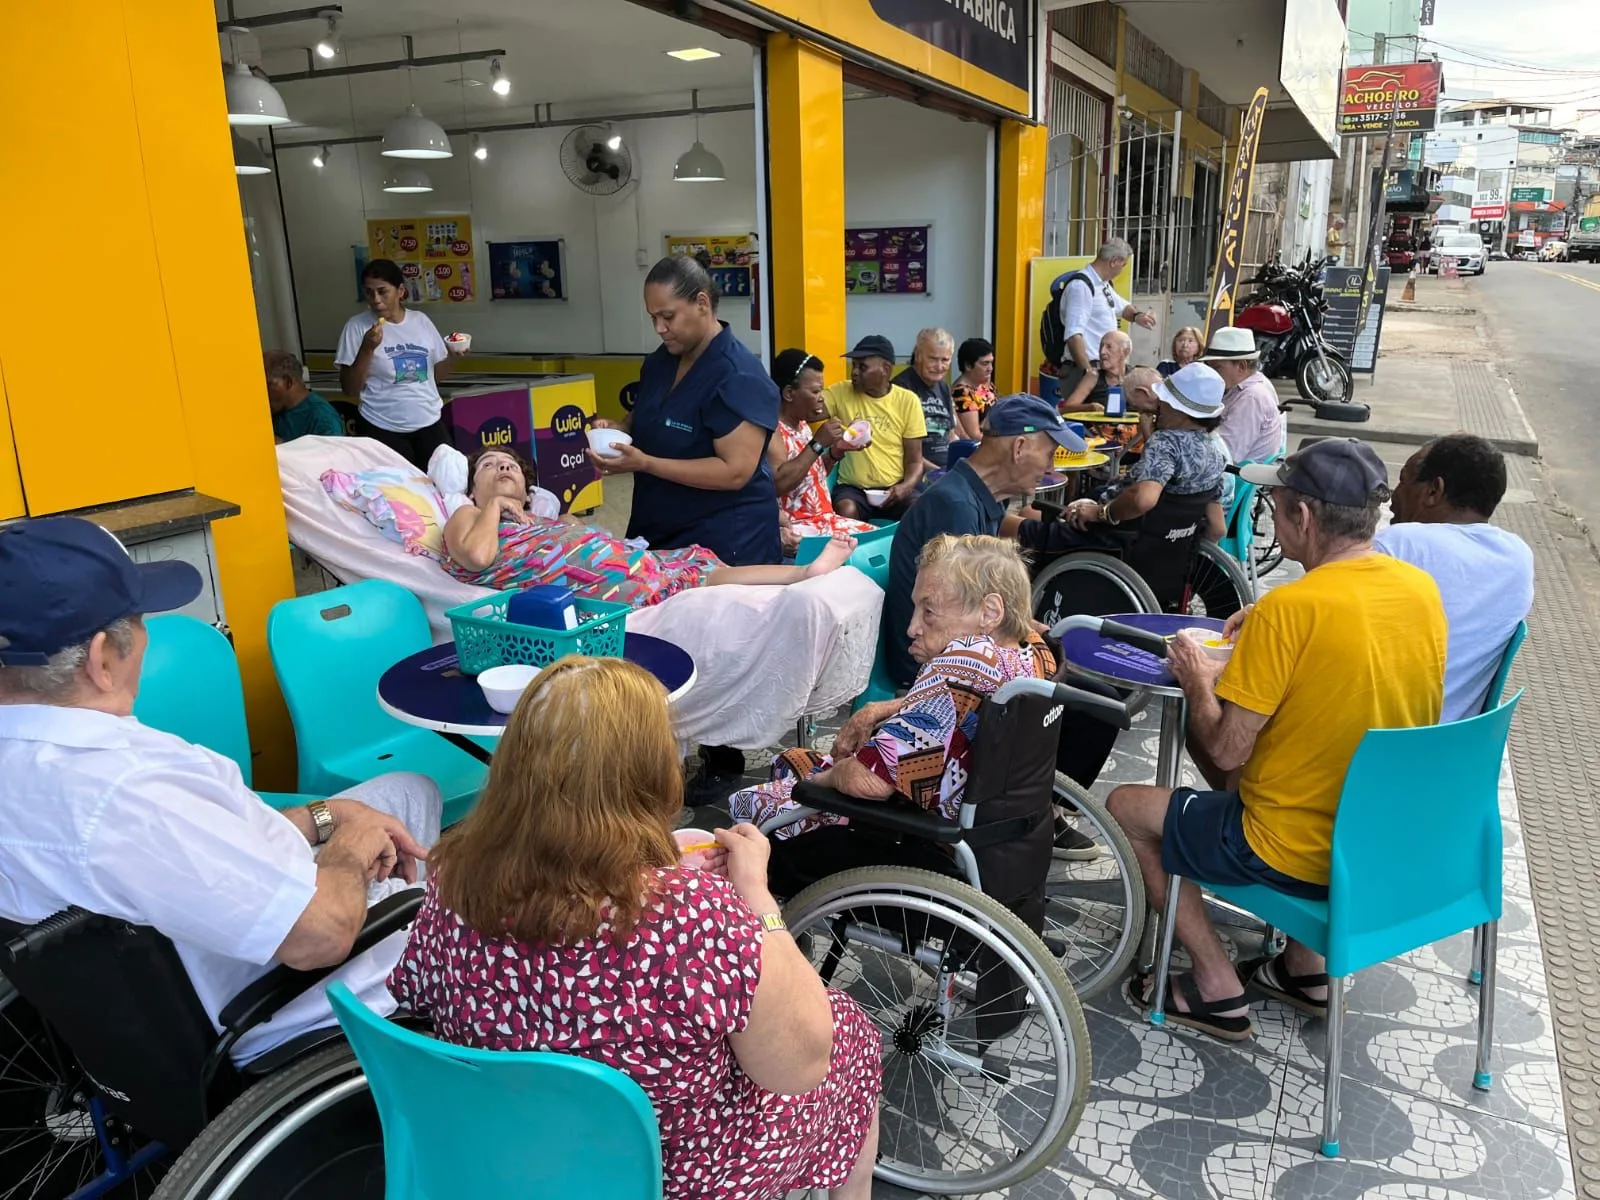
[
  {"x": 733, "y": 258},
  {"x": 434, "y": 255},
  {"x": 887, "y": 260},
  {"x": 528, "y": 269}
]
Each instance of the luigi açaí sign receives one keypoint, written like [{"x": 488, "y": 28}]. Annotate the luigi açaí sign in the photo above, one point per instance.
[{"x": 992, "y": 35}]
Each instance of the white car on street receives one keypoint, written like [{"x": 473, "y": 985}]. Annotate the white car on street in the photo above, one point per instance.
[{"x": 1465, "y": 250}]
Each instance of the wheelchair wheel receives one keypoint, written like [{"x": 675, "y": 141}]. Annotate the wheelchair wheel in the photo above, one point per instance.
[
  {"x": 48, "y": 1142},
  {"x": 309, "y": 1131},
  {"x": 1268, "y": 553},
  {"x": 1088, "y": 582},
  {"x": 1094, "y": 908},
  {"x": 985, "y": 1049},
  {"x": 1217, "y": 586}
]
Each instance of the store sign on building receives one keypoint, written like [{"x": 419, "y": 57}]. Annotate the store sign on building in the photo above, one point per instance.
[
  {"x": 1489, "y": 196},
  {"x": 981, "y": 47},
  {"x": 1367, "y": 98},
  {"x": 1529, "y": 195},
  {"x": 1426, "y": 16}
]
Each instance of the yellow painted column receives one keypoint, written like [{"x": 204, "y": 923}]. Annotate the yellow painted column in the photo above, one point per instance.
[
  {"x": 11, "y": 501},
  {"x": 1019, "y": 208},
  {"x": 139, "y": 347},
  {"x": 805, "y": 198}
]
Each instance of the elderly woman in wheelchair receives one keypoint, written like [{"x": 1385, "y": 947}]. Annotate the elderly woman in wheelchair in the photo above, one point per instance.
[{"x": 916, "y": 858}]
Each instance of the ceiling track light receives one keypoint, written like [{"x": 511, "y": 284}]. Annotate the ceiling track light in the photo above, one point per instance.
[
  {"x": 479, "y": 150},
  {"x": 321, "y": 157},
  {"x": 328, "y": 43},
  {"x": 498, "y": 83}
]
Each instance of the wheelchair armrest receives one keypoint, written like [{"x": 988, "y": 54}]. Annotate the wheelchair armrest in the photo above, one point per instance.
[
  {"x": 894, "y": 814},
  {"x": 259, "y": 1001},
  {"x": 1107, "y": 709},
  {"x": 52, "y": 929},
  {"x": 1049, "y": 512}
]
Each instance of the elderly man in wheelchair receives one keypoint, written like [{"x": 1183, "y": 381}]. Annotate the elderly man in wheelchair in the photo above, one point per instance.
[
  {"x": 915, "y": 858},
  {"x": 151, "y": 877}
]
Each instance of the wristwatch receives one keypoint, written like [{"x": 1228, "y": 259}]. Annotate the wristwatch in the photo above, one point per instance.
[
  {"x": 773, "y": 922},
  {"x": 817, "y": 448},
  {"x": 322, "y": 818}
]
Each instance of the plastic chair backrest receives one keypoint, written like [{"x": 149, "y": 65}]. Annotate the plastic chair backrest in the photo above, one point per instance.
[
  {"x": 871, "y": 555},
  {"x": 1416, "y": 843},
  {"x": 459, "y": 1121},
  {"x": 1497, "y": 686},
  {"x": 329, "y": 650},
  {"x": 189, "y": 686},
  {"x": 810, "y": 547}
]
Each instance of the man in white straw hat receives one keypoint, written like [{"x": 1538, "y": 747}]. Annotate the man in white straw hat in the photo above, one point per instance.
[
  {"x": 1181, "y": 457},
  {"x": 1250, "y": 422}
]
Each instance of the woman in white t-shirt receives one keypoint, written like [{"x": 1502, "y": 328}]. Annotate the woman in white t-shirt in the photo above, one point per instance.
[{"x": 393, "y": 360}]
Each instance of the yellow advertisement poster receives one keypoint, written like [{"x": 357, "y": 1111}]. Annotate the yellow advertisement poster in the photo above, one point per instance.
[
  {"x": 435, "y": 254},
  {"x": 732, "y": 257},
  {"x": 1042, "y": 272}
]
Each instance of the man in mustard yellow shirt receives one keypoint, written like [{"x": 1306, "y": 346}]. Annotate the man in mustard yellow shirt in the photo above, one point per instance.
[
  {"x": 1357, "y": 644},
  {"x": 893, "y": 461}
]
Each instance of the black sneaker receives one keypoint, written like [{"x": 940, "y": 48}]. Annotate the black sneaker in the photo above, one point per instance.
[{"x": 1071, "y": 844}]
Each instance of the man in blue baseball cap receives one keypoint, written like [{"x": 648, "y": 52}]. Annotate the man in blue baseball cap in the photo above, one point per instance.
[{"x": 102, "y": 812}]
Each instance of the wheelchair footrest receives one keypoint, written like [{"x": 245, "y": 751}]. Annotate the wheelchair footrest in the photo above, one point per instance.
[{"x": 895, "y": 814}]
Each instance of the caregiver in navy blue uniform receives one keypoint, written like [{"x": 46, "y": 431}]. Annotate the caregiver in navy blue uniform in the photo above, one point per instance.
[{"x": 705, "y": 410}]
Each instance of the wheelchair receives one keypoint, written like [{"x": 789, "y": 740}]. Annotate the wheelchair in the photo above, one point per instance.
[
  {"x": 986, "y": 1052},
  {"x": 113, "y": 1076},
  {"x": 1164, "y": 564}
]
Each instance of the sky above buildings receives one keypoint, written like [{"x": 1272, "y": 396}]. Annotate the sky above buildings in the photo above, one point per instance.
[{"x": 1537, "y": 51}]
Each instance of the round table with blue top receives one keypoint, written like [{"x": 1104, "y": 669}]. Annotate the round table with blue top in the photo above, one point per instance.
[
  {"x": 429, "y": 690},
  {"x": 1089, "y": 653}
]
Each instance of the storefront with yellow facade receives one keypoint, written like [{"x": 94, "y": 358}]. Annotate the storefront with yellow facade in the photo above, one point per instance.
[{"x": 882, "y": 172}]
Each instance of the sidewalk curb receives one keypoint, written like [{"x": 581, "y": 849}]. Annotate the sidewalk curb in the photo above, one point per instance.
[
  {"x": 1444, "y": 310},
  {"x": 1368, "y": 432}
]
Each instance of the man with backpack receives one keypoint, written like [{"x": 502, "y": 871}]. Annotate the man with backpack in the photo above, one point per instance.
[{"x": 1084, "y": 307}]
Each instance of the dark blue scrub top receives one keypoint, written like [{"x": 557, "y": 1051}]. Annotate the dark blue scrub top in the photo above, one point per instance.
[{"x": 726, "y": 387}]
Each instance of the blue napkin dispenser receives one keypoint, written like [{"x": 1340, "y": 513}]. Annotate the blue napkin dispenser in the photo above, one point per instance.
[{"x": 545, "y": 607}]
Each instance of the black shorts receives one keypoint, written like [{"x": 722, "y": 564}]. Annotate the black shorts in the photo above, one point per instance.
[
  {"x": 1203, "y": 839},
  {"x": 889, "y": 512}
]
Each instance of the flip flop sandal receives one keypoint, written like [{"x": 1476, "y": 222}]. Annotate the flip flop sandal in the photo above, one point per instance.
[
  {"x": 1271, "y": 975},
  {"x": 1201, "y": 1015}
]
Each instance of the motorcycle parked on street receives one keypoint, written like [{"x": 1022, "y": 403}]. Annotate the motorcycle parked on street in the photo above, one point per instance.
[{"x": 1285, "y": 314}]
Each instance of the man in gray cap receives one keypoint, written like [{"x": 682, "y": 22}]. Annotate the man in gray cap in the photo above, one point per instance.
[{"x": 1357, "y": 644}]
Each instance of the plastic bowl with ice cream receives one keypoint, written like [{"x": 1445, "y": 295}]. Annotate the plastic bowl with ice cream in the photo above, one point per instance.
[
  {"x": 1211, "y": 641},
  {"x": 459, "y": 342},
  {"x": 605, "y": 441}
]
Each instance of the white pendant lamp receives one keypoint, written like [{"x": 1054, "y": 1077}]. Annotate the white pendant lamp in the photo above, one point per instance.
[
  {"x": 407, "y": 180},
  {"x": 412, "y": 135},
  {"x": 251, "y": 100},
  {"x": 248, "y": 158},
  {"x": 697, "y": 164}
]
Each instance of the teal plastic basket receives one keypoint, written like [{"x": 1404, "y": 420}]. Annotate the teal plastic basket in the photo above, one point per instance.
[{"x": 484, "y": 638}]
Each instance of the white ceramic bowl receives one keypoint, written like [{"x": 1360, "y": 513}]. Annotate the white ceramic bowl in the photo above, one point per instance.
[
  {"x": 876, "y": 496},
  {"x": 604, "y": 442},
  {"x": 1206, "y": 636},
  {"x": 459, "y": 342},
  {"x": 503, "y": 686}
]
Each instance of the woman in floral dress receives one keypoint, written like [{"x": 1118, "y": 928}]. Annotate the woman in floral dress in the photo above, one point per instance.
[
  {"x": 799, "y": 458},
  {"x": 973, "y": 390},
  {"x": 561, "y": 917}
]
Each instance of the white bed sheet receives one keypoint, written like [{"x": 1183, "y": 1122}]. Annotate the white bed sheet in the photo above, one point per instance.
[{"x": 764, "y": 656}]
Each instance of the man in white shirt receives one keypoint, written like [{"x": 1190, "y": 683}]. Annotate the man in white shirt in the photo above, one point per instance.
[
  {"x": 1251, "y": 425},
  {"x": 1447, "y": 492},
  {"x": 102, "y": 812},
  {"x": 1090, "y": 308}
]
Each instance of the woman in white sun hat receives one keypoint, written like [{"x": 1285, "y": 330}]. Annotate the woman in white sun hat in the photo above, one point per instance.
[
  {"x": 1181, "y": 457},
  {"x": 1250, "y": 422}
]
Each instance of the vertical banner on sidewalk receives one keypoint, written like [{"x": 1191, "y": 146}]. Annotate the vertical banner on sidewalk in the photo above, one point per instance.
[{"x": 1235, "y": 213}]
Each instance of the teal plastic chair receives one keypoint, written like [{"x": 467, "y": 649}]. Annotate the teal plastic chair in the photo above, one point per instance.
[
  {"x": 1497, "y": 689},
  {"x": 190, "y": 687},
  {"x": 810, "y": 547},
  {"x": 459, "y": 1121},
  {"x": 329, "y": 650},
  {"x": 1436, "y": 786}
]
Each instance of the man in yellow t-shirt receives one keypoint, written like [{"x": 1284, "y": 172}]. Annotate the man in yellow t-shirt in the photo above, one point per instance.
[
  {"x": 1357, "y": 644},
  {"x": 893, "y": 461}
]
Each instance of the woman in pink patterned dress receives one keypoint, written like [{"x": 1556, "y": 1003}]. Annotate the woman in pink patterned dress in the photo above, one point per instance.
[
  {"x": 496, "y": 542},
  {"x": 560, "y": 917},
  {"x": 800, "y": 459}
]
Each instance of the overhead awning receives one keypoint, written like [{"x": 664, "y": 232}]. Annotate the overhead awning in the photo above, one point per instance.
[{"x": 1294, "y": 48}]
